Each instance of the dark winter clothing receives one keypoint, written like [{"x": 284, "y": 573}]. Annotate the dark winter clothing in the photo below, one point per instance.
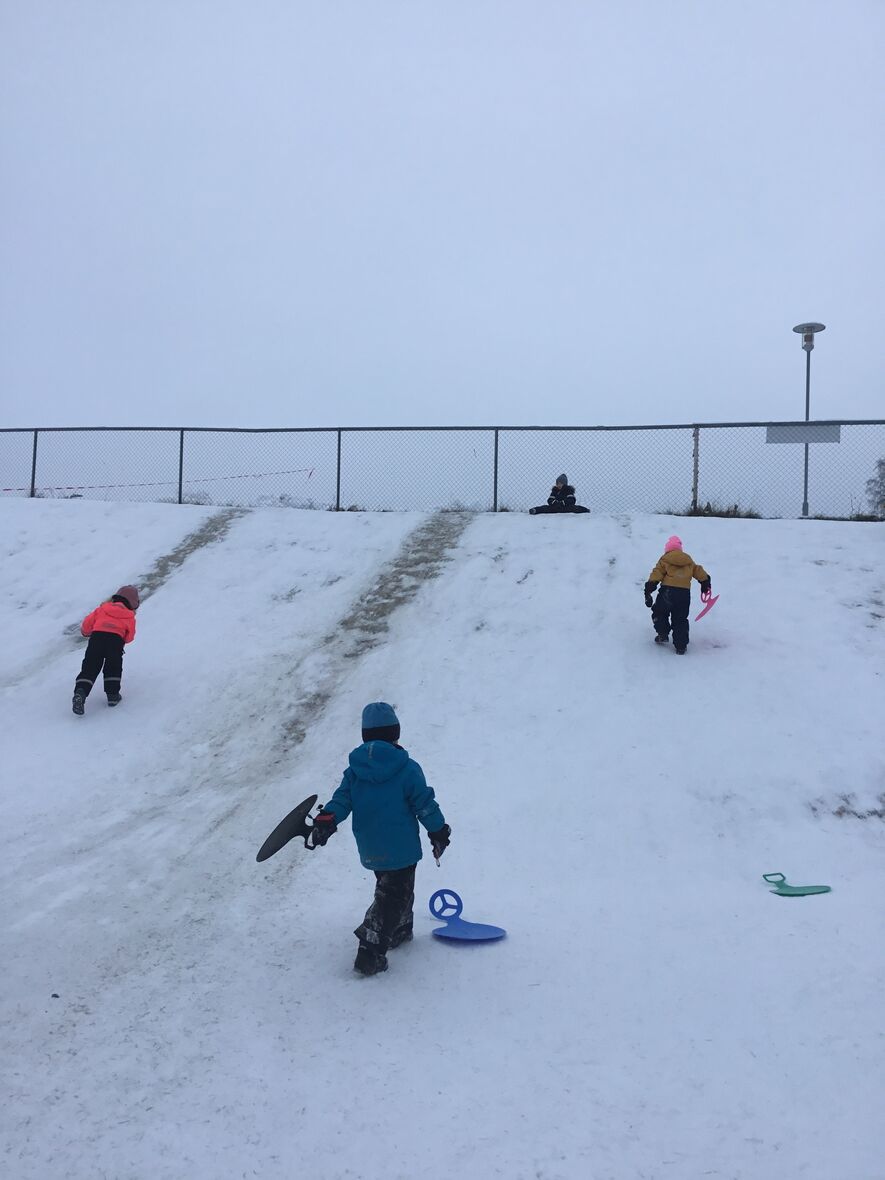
[
  {"x": 387, "y": 793},
  {"x": 562, "y": 495},
  {"x": 439, "y": 841},
  {"x": 561, "y": 499},
  {"x": 669, "y": 611},
  {"x": 114, "y": 617},
  {"x": 388, "y": 920},
  {"x": 556, "y": 509},
  {"x": 103, "y": 649},
  {"x": 380, "y": 723},
  {"x": 109, "y": 627}
]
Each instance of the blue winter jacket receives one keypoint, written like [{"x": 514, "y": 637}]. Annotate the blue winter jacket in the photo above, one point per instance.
[{"x": 388, "y": 795}]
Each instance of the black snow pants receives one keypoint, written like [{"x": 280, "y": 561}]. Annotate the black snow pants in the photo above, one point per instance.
[
  {"x": 671, "y": 610},
  {"x": 103, "y": 649},
  {"x": 388, "y": 920},
  {"x": 543, "y": 509}
]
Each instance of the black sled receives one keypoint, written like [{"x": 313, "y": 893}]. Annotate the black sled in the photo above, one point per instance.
[{"x": 295, "y": 824}]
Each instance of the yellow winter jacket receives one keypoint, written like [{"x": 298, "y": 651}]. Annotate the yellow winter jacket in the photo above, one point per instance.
[{"x": 677, "y": 569}]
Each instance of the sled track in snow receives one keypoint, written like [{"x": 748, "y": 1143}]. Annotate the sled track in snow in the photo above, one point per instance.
[
  {"x": 421, "y": 558},
  {"x": 210, "y": 532}
]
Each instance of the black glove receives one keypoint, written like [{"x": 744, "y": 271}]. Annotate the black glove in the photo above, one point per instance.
[
  {"x": 649, "y": 586},
  {"x": 324, "y": 825},
  {"x": 439, "y": 841},
  {"x": 705, "y": 586}
]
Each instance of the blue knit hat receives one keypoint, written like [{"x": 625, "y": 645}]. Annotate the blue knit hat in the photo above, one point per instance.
[
  {"x": 563, "y": 479},
  {"x": 379, "y": 715}
]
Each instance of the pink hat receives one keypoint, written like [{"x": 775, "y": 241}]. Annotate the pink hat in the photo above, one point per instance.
[{"x": 673, "y": 542}]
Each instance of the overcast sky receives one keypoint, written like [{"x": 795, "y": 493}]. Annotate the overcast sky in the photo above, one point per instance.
[{"x": 275, "y": 212}]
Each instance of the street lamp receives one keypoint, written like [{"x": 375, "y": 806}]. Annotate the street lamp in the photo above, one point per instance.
[{"x": 807, "y": 331}]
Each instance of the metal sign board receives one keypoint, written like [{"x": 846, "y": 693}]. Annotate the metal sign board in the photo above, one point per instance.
[{"x": 805, "y": 432}]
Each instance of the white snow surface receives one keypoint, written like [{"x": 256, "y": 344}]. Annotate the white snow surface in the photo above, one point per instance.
[{"x": 654, "y": 1011}]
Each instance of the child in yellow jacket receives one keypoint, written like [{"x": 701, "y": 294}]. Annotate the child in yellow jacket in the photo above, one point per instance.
[{"x": 669, "y": 611}]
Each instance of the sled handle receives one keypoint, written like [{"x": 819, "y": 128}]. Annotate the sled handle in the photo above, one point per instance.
[
  {"x": 443, "y": 900},
  {"x": 774, "y": 878}
]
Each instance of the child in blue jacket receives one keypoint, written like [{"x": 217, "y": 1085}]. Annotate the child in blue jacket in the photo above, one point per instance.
[{"x": 388, "y": 796}]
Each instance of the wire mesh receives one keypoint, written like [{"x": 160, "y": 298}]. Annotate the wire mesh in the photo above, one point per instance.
[
  {"x": 739, "y": 468},
  {"x": 288, "y": 469},
  {"x": 730, "y": 467},
  {"x": 390, "y": 470},
  {"x": 638, "y": 470},
  {"x": 124, "y": 464},
  {"x": 16, "y": 453}
]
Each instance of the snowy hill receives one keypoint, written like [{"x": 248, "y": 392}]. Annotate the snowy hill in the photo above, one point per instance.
[{"x": 172, "y": 1009}]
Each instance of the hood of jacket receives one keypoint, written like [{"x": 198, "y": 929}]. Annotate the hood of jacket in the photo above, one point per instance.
[
  {"x": 377, "y": 762},
  {"x": 678, "y": 559}
]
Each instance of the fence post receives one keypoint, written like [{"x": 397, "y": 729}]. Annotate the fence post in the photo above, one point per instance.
[
  {"x": 338, "y": 477},
  {"x": 495, "y": 481},
  {"x": 34, "y": 467},
  {"x": 695, "y": 464},
  {"x": 180, "y": 464}
]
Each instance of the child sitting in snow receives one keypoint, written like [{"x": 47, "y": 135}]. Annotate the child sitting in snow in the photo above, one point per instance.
[
  {"x": 109, "y": 627},
  {"x": 674, "y": 570},
  {"x": 388, "y": 795},
  {"x": 561, "y": 499}
]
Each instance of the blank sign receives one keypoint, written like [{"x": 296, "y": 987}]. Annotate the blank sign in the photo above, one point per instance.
[{"x": 804, "y": 432}]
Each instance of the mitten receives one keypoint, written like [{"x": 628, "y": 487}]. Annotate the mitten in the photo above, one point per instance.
[
  {"x": 706, "y": 586},
  {"x": 324, "y": 825},
  {"x": 439, "y": 841},
  {"x": 649, "y": 586}
]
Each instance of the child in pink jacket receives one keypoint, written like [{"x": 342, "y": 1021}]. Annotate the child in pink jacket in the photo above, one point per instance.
[{"x": 109, "y": 627}]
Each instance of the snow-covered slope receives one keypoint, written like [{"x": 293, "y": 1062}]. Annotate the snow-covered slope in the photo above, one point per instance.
[{"x": 654, "y": 1012}]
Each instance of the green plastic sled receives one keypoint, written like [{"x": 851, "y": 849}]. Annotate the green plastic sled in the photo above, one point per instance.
[{"x": 782, "y": 889}]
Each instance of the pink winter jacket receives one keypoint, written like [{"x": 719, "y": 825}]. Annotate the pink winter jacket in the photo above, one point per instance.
[{"x": 112, "y": 618}]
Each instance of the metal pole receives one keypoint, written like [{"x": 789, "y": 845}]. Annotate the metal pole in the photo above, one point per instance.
[
  {"x": 338, "y": 477},
  {"x": 495, "y": 479},
  {"x": 695, "y": 464},
  {"x": 807, "y": 409},
  {"x": 34, "y": 467},
  {"x": 180, "y": 465}
]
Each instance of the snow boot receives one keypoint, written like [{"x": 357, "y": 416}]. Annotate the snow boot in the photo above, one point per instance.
[
  {"x": 680, "y": 651},
  {"x": 369, "y": 961},
  {"x": 662, "y": 639},
  {"x": 114, "y": 698},
  {"x": 79, "y": 703},
  {"x": 404, "y": 934}
]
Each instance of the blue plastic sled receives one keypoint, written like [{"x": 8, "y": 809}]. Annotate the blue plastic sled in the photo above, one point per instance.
[{"x": 446, "y": 905}]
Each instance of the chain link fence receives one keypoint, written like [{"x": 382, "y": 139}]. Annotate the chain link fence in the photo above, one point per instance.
[{"x": 736, "y": 468}]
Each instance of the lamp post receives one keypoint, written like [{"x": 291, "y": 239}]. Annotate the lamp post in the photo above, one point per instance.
[{"x": 807, "y": 331}]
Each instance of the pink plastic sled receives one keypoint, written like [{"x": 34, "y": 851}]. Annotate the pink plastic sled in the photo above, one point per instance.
[{"x": 709, "y": 601}]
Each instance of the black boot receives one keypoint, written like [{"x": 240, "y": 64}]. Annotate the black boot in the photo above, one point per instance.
[
  {"x": 404, "y": 934},
  {"x": 79, "y": 702},
  {"x": 114, "y": 698},
  {"x": 369, "y": 961}
]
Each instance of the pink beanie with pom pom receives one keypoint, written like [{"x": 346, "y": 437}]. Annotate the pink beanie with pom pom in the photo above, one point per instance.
[{"x": 672, "y": 543}]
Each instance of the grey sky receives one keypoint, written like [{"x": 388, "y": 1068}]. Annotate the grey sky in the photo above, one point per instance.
[{"x": 480, "y": 211}]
